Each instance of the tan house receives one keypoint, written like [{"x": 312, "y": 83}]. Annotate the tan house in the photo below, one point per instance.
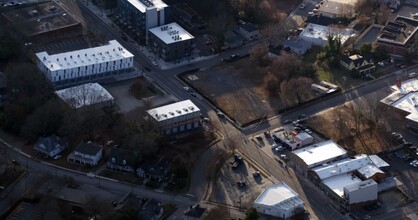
[{"x": 362, "y": 64}]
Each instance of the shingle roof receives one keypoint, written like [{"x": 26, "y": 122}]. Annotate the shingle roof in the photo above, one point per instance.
[
  {"x": 50, "y": 143},
  {"x": 248, "y": 27},
  {"x": 88, "y": 148},
  {"x": 117, "y": 156}
]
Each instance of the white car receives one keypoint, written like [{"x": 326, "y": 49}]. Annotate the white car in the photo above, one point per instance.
[
  {"x": 279, "y": 149},
  {"x": 187, "y": 89},
  {"x": 414, "y": 162},
  {"x": 155, "y": 63},
  {"x": 412, "y": 75},
  {"x": 57, "y": 157},
  {"x": 308, "y": 131},
  {"x": 311, "y": 13},
  {"x": 273, "y": 146}
]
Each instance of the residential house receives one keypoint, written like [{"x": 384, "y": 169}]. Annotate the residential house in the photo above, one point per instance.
[
  {"x": 297, "y": 45},
  {"x": 86, "y": 154},
  {"x": 50, "y": 146},
  {"x": 232, "y": 39},
  {"x": 363, "y": 65},
  {"x": 121, "y": 160},
  {"x": 248, "y": 31},
  {"x": 144, "y": 208},
  {"x": 156, "y": 172}
]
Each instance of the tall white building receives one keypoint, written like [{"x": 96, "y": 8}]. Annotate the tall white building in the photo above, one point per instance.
[
  {"x": 142, "y": 15},
  {"x": 85, "y": 65},
  {"x": 176, "y": 117}
]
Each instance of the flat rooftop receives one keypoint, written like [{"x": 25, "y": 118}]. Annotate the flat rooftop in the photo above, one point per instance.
[
  {"x": 40, "y": 18},
  {"x": 405, "y": 98},
  {"x": 342, "y": 166},
  {"x": 84, "y": 95},
  {"x": 110, "y": 52},
  {"x": 171, "y": 33},
  {"x": 144, "y": 5},
  {"x": 279, "y": 194},
  {"x": 337, "y": 183},
  {"x": 320, "y": 152},
  {"x": 173, "y": 110},
  {"x": 359, "y": 185},
  {"x": 315, "y": 31},
  {"x": 398, "y": 31}
]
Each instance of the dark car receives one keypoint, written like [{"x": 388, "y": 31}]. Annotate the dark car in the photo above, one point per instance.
[
  {"x": 287, "y": 121},
  {"x": 242, "y": 183},
  {"x": 267, "y": 134},
  {"x": 15, "y": 162},
  {"x": 301, "y": 116}
]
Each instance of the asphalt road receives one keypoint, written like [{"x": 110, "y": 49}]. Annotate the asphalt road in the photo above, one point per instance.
[{"x": 167, "y": 79}]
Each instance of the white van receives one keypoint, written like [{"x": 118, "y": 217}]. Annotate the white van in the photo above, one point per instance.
[{"x": 412, "y": 75}]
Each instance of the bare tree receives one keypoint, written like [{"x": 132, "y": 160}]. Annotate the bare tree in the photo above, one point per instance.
[
  {"x": 382, "y": 14},
  {"x": 293, "y": 91},
  {"x": 259, "y": 55}
]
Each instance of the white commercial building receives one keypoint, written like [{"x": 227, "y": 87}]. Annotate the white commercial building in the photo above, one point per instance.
[
  {"x": 345, "y": 179},
  {"x": 361, "y": 192},
  {"x": 85, "y": 65},
  {"x": 404, "y": 99},
  {"x": 279, "y": 200},
  {"x": 318, "y": 34},
  {"x": 317, "y": 154},
  {"x": 86, "y": 96},
  {"x": 176, "y": 117}
]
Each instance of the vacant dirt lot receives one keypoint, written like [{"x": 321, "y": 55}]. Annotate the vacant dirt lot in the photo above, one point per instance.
[{"x": 237, "y": 88}]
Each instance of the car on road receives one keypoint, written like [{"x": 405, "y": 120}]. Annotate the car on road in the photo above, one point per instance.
[
  {"x": 311, "y": 13},
  {"x": 193, "y": 94},
  {"x": 287, "y": 121},
  {"x": 381, "y": 63},
  {"x": 187, "y": 89},
  {"x": 302, "y": 6},
  {"x": 57, "y": 157},
  {"x": 308, "y": 131},
  {"x": 301, "y": 116},
  {"x": 235, "y": 56},
  {"x": 15, "y": 162},
  {"x": 109, "y": 143},
  {"x": 220, "y": 115}
]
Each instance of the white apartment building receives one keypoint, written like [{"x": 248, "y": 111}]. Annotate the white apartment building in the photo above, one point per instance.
[
  {"x": 85, "y": 65},
  {"x": 176, "y": 117}
]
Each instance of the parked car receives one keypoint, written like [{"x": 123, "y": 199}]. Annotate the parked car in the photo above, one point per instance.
[
  {"x": 279, "y": 149},
  {"x": 412, "y": 75},
  {"x": 301, "y": 116},
  {"x": 57, "y": 157},
  {"x": 308, "y": 131},
  {"x": 256, "y": 173},
  {"x": 193, "y": 94},
  {"x": 242, "y": 183},
  {"x": 302, "y": 6},
  {"x": 287, "y": 121},
  {"x": 283, "y": 157},
  {"x": 398, "y": 137},
  {"x": 187, "y": 89},
  {"x": 237, "y": 157},
  {"x": 235, "y": 56},
  {"x": 267, "y": 134},
  {"x": 259, "y": 138},
  {"x": 15, "y": 162},
  {"x": 273, "y": 146}
]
